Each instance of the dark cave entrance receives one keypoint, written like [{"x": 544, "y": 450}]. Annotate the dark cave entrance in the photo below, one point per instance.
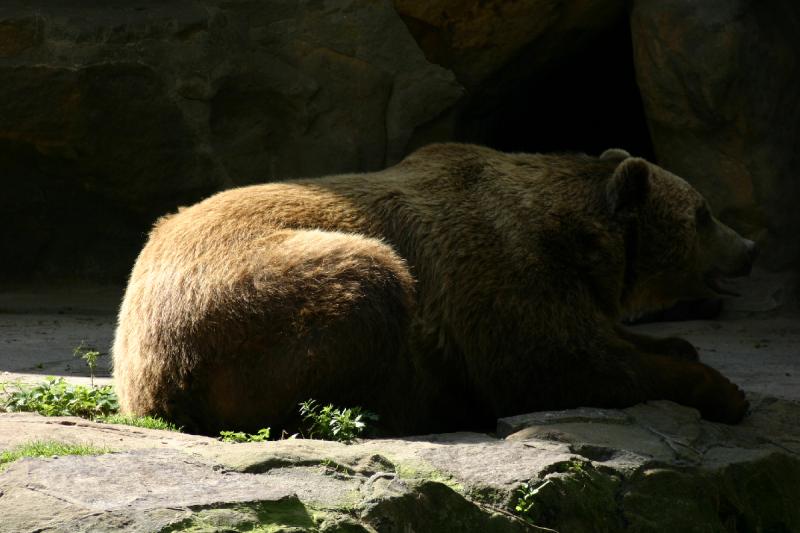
[{"x": 586, "y": 102}]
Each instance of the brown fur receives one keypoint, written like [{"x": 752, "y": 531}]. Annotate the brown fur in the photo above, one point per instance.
[{"x": 460, "y": 285}]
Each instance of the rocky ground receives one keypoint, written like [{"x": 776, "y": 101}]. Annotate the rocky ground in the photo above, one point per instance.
[{"x": 653, "y": 467}]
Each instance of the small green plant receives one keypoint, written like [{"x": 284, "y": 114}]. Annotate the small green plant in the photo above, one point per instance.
[
  {"x": 47, "y": 449},
  {"x": 331, "y": 423},
  {"x": 527, "y": 492},
  {"x": 238, "y": 436},
  {"x": 56, "y": 397},
  {"x": 148, "y": 422},
  {"x": 572, "y": 490},
  {"x": 88, "y": 355},
  {"x": 526, "y": 497}
]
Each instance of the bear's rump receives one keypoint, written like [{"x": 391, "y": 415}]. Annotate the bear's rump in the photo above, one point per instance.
[{"x": 296, "y": 315}]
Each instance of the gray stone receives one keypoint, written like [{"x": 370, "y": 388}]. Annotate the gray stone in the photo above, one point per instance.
[
  {"x": 470, "y": 461},
  {"x": 512, "y": 424},
  {"x": 651, "y": 467},
  {"x": 174, "y": 482}
]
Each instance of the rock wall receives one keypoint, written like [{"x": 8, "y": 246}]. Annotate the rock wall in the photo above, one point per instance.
[
  {"x": 112, "y": 114},
  {"x": 477, "y": 39}
]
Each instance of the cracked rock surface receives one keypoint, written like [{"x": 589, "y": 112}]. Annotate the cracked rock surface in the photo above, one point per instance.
[{"x": 652, "y": 467}]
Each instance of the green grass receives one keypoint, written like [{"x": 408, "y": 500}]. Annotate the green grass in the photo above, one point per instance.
[
  {"x": 48, "y": 448},
  {"x": 56, "y": 397},
  {"x": 238, "y": 436},
  {"x": 148, "y": 422}
]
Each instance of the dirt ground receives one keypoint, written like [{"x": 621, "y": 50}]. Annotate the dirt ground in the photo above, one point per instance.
[
  {"x": 754, "y": 343},
  {"x": 40, "y": 328}
]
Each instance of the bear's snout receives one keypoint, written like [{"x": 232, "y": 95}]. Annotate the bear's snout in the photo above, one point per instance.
[
  {"x": 746, "y": 259},
  {"x": 752, "y": 251},
  {"x": 728, "y": 253},
  {"x": 743, "y": 264}
]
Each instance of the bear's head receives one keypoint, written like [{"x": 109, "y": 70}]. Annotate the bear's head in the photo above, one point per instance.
[{"x": 677, "y": 249}]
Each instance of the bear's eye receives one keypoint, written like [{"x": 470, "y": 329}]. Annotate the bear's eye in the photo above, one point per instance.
[{"x": 702, "y": 216}]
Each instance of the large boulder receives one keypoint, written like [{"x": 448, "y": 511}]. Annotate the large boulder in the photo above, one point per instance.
[
  {"x": 111, "y": 115},
  {"x": 720, "y": 82}
]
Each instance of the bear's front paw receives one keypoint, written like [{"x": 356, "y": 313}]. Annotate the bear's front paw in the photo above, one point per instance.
[
  {"x": 678, "y": 348},
  {"x": 719, "y": 400}
]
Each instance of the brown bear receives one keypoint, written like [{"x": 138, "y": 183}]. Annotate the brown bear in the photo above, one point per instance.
[{"x": 456, "y": 287}]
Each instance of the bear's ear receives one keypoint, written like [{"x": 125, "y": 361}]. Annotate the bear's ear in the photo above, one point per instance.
[
  {"x": 629, "y": 185},
  {"x": 615, "y": 153}
]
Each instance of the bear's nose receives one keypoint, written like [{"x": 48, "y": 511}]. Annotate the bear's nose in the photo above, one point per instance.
[
  {"x": 747, "y": 259},
  {"x": 752, "y": 250}
]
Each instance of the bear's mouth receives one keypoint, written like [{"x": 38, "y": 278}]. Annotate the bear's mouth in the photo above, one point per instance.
[{"x": 720, "y": 284}]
